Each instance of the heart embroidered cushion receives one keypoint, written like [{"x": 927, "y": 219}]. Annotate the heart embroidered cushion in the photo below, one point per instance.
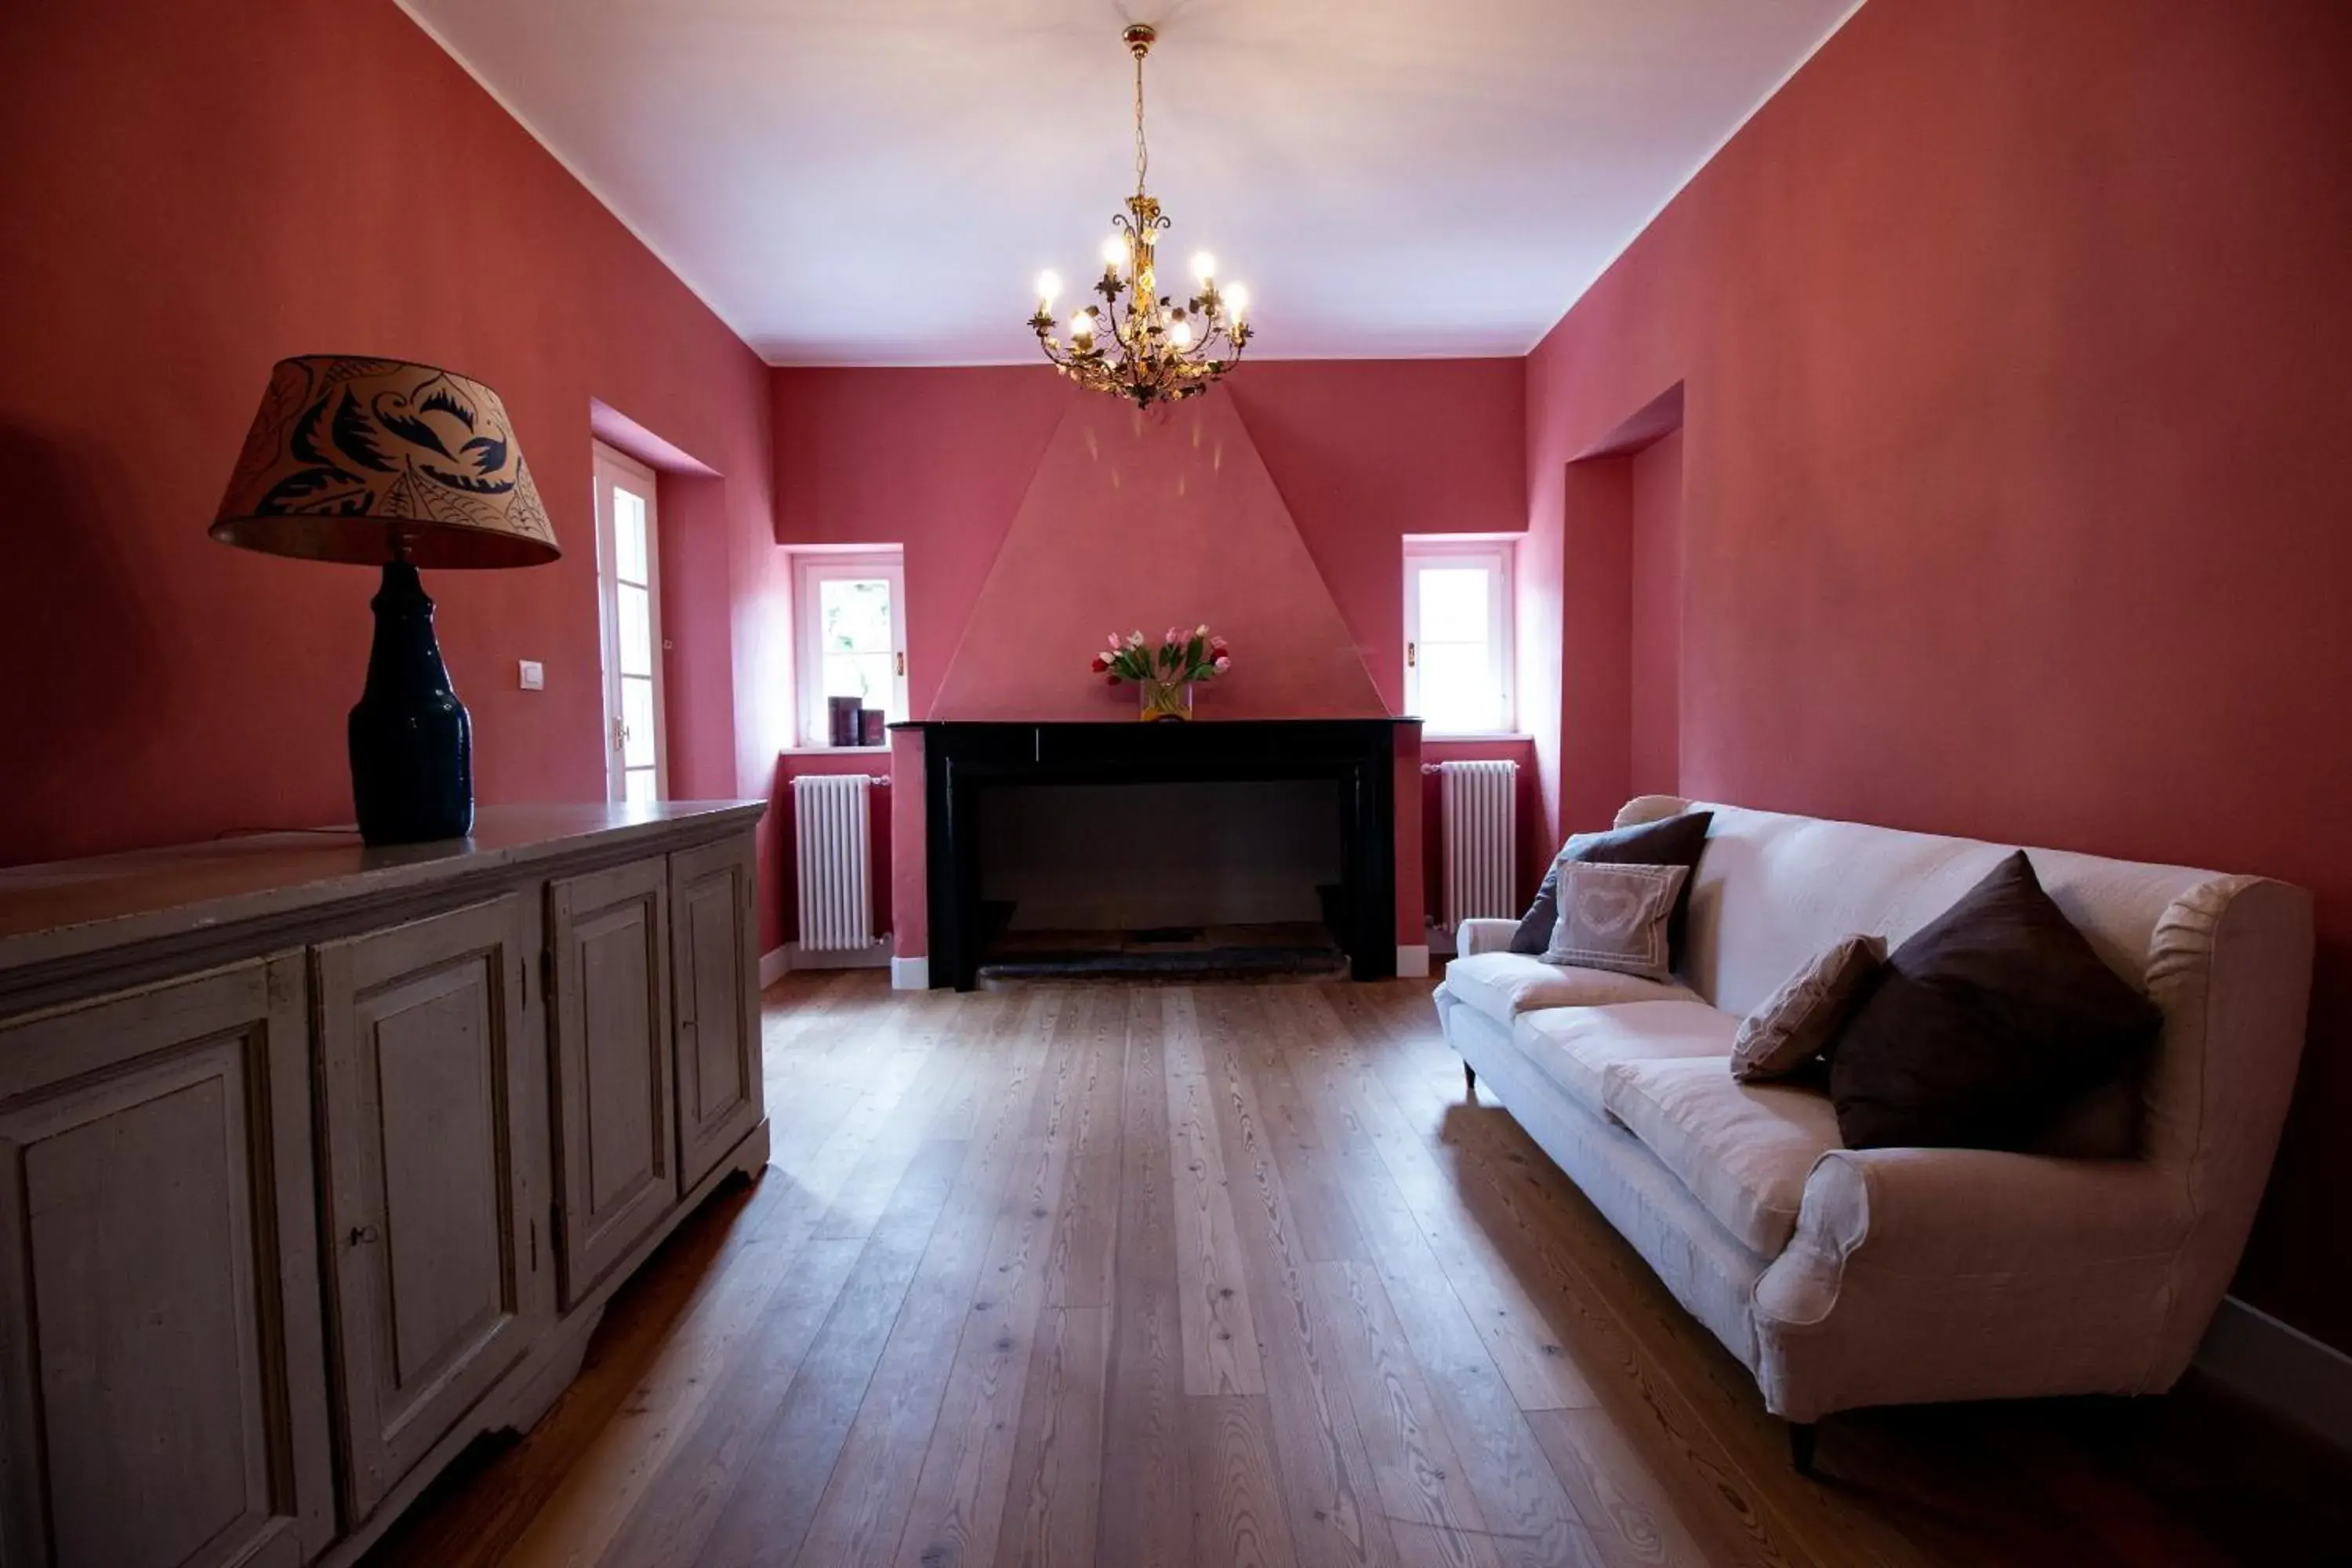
[
  {"x": 1675, "y": 841},
  {"x": 1615, "y": 918}
]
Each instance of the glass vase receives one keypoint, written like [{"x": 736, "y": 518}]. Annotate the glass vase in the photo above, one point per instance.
[{"x": 1164, "y": 697}]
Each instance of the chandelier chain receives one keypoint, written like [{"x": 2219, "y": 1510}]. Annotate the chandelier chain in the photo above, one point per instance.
[{"x": 1142, "y": 158}]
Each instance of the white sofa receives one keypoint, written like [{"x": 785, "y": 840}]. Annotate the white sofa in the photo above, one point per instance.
[{"x": 1845, "y": 1278}]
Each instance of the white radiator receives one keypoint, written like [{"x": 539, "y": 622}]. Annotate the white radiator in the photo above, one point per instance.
[
  {"x": 1480, "y": 803},
  {"x": 831, "y": 821}
]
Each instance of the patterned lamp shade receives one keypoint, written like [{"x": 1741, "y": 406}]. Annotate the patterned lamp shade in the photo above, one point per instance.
[{"x": 376, "y": 460}]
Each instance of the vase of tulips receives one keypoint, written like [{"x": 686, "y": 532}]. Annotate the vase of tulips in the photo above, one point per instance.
[{"x": 1164, "y": 674}]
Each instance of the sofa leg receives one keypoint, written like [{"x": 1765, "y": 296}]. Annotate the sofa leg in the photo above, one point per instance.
[
  {"x": 1801, "y": 1436},
  {"x": 1469, "y": 1079}
]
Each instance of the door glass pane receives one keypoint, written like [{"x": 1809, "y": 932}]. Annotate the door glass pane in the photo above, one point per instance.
[
  {"x": 637, "y": 714},
  {"x": 853, "y": 616},
  {"x": 1454, "y": 602},
  {"x": 629, "y": 536},
  {"x": 639, "y": 782},
  {"x": 865, "y": 676},
  {"x": 636, "y": 633},
  {"x": 1457, "y": 687}
]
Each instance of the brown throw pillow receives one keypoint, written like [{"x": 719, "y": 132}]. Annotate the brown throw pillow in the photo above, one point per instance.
[
  {"x": 1986, "y": 1028},
  {"x": 1796, "y": 1020},
  {"x": 1615, "y": 918},
  {"x": 1673, "y": 841}
]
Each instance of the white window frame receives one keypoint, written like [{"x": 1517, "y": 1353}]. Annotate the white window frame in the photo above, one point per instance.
[
  {"x": 1499, "y": 556},
  {"x": 613, "y": 468},
  {"x": 810, "y": 568}
]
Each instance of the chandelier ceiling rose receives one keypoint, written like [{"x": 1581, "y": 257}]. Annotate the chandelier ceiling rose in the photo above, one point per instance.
[{"x": 1153, "y": 349}]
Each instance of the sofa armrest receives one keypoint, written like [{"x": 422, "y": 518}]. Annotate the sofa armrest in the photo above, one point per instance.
[
  {"x": 1474, "y": 937},
  {"x": 1929, "y": 1274},
  {"x": 1968, "y": 1211}
]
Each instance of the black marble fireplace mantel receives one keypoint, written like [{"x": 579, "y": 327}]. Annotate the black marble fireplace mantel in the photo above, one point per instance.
[{"x": 963, "y": 760}]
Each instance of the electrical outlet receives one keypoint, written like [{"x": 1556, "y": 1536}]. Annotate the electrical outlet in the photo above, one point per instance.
[{"x": 534, "y": 676}]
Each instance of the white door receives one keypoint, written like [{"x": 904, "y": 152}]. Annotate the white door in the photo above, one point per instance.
[{"x": 628, "y": 583}]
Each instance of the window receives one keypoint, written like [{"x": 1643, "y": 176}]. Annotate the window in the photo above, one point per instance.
[
  {"x": 850, "y": 613},
  {"x": 628, "y": 586},
  {"x": 1457, "y": 632}
]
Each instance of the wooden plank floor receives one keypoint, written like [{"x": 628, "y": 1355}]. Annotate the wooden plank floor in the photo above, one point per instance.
[{"x": 1238, "y": 1275}]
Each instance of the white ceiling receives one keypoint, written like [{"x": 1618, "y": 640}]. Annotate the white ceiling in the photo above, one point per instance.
[{"x": 876, "y": 182}]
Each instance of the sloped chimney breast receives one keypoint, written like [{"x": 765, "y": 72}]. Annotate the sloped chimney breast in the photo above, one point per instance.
[{"x": 1138, "y": 521}]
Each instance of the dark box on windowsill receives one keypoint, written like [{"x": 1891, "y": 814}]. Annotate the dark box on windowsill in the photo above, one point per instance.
[
  {"x": 870, "y": 727},
  {"x": 842, "y": 715}
]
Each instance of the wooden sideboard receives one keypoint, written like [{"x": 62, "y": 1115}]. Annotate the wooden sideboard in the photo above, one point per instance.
[{"x": 319, "y": 1161}]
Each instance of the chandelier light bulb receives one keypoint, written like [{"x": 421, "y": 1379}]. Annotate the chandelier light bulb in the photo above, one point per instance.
[
  {"x": 1205, "y": 266},
  {"x": 1236, "y": 300},
  {"x": 1082, "y": 327},
  {"x": 1049, "y": 286},
  {"x": 1181, "y": 334},
  {"x": 1114, "y": 252}
]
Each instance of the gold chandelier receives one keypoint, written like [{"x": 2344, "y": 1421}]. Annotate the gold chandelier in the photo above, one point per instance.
[{"x": 1155, "y": 350}]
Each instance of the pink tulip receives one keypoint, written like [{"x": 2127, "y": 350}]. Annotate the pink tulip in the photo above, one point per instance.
[
  {"x": 1202, "y": 630},
  {"x": 1223, "y": 664},
  {"x": 1216, "y": 645}
]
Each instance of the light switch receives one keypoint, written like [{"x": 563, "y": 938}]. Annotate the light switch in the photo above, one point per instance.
[{"x": 534, "y": 676}]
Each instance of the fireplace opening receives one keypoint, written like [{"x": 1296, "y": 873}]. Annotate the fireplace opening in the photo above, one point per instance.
[
  {"x": 1107, "y": 847},
  {"x": 1194, "y": 881}
]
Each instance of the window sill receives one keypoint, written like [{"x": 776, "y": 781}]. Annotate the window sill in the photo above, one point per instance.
[
  {"x": 1442, "y": 737},
  {"x": 883, "y": 749}
]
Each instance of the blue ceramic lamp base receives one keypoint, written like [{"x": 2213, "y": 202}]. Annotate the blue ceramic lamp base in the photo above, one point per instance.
[{"x": 411, "y": 741}]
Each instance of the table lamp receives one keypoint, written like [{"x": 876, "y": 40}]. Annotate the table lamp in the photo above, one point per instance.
[{"x": 378, "y": 462}]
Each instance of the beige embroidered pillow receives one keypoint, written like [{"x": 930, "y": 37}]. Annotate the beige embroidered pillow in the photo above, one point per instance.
[
  {"x": 1615, "y": 918},
  {"x": 1796, "y": 1020}
]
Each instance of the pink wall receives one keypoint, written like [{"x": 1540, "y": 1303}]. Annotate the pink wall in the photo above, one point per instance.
[
  {"x": 2013, "y": 334},
  {"x": 218, "y": 185},
  {"x": 1152, "y": 521},
  {"x": 1360, "y": 454},
  {"x": 1655, "y": 630}
]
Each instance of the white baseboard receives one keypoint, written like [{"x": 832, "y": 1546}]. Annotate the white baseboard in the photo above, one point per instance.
[
  {"x": 791, "y": 958},
  {"x": 2281, "y": 1369},
  {"x": 875, "y": 955},
  {"x": 910, "y": 975},
  {"x": 1412, "y": 960}
]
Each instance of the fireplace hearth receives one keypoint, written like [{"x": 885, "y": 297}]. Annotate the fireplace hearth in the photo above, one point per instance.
[{"x": 1128, "y": 851}]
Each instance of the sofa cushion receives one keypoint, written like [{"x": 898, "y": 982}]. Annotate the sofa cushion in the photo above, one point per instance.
[
  {"x": 1987, "y": 1026},
  {"x": 1573, "y": 1046},
  {"x": 1614, "y": 918},
  {"x": 1675, "y": 841},
  {"x": 1743, "y": 1149},
  {"x": 1796, "y": 1020},
  {"x": 1504, "y": 985}
]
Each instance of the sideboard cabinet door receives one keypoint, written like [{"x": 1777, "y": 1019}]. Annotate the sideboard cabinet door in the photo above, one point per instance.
[
  {"x": 715, "y": 937},
  {"x": 615, "y": 1160},
  {"x": 162, "y": 1391},
  {"x": 434, "y": 1082}
]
